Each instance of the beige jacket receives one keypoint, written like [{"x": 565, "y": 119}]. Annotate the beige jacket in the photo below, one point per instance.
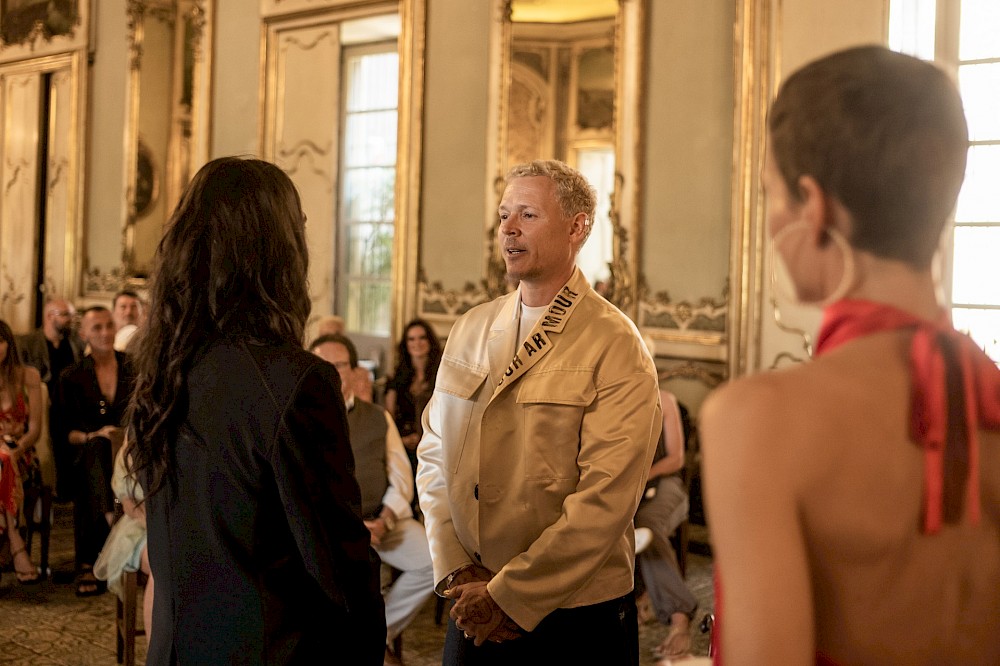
[{"x": 533, "y": 465}]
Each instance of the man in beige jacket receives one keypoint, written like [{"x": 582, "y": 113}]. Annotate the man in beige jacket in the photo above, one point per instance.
[{"x": 536, "y": 447}]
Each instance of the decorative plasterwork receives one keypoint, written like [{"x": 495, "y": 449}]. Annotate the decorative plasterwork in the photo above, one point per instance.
[
  {"x": 705, "y": 318},
  {"x": 52, "y": 22},
  {"x": 699, "y": 372},
  {"x": 447, "y": 305},
  {"x": 135, "y": 12},
  {"x": 695, "y": 323},
  {"x": 11, "y": 294}
]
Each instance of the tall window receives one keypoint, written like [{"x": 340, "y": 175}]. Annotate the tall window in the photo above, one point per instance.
[
  {"x": 367, "y": 182},
  {"x": 962, "y": 35}
]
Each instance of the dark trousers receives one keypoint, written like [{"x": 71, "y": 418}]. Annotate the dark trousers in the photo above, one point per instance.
[
  {"x": 92, "y": 500},
  {"x": 606, "y": 633}
]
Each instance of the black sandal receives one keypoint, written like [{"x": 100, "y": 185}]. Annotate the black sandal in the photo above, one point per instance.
[
  {"x": 23, "y": 576},
  {"x": 87, "y": 585}
]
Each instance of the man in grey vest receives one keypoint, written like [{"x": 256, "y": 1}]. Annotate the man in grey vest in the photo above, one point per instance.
[{"x": 384, "y": 474}]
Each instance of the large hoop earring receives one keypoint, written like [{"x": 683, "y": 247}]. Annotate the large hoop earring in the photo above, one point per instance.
[{"x": 846, "y": 278}]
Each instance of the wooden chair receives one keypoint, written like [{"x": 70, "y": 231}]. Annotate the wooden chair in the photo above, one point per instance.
[
  {"x": 37, "y": 507},
  {"x": 126, "y": 607},
  {"x": 125, "y": 617}
]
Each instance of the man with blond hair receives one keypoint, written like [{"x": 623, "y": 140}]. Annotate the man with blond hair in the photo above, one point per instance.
[{"x": 537, "y": 442}]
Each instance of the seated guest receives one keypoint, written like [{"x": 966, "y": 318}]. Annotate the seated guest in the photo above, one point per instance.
[
  {"x": 386, "y": 481},
  {"x": 855, "y": 500},
  {"x": 20, "y": 424},
  {"x": 51, "y": 349},
  {"x": 330, "y": 325},
  {"x": 361, "y": 378},
  {"x": 126, "y": 310},
  {"x": 239, "y": 441},
  {"x": 125, "y": 549},
  {"x": 412, "y": 382},
  {"x": 93, "y": 396},
  {"x": 663, "y": 507}
]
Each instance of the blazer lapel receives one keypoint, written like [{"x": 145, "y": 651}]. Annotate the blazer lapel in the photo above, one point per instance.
[{"x": 503, "y": 338}]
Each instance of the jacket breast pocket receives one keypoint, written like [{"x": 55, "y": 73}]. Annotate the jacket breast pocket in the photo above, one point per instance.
[
  {"x": 457, "y": 388},
  {"x": 554, "y": 403}
]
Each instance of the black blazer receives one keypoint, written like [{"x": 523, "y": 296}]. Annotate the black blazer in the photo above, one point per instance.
[
  {"x": 256, "y": 544},
  {"x": 82, "y": 405}
]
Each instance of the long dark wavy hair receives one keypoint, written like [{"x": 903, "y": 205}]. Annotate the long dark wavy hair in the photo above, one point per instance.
[
  {"x": 232, "y": 263},
  {"x": 403, "y": 373},
  {"x": 11, "y": 371}
]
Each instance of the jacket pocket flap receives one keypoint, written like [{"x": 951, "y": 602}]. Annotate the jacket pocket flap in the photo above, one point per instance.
[
  {"x": 558, "y": 387},
  {"x": 459, "y": 380}
]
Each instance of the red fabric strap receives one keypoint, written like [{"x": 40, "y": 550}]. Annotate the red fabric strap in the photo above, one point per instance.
[{"x": 955, "y": 392}]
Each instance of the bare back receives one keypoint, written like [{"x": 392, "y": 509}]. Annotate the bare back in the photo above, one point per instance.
[{"x": 878, "y": 589}]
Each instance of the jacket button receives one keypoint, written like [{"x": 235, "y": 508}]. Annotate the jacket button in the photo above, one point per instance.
[
  {"x": 478, "y": 557},
  {"x": 476, "y": 491}
]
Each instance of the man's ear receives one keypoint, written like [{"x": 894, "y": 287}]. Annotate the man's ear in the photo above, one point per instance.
[
  {"x": 578, "y": 227},
  {"x": 815, "y": 208}
]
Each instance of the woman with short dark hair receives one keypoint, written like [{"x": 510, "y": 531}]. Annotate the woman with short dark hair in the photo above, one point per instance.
[{"x": 855, "y": 500}]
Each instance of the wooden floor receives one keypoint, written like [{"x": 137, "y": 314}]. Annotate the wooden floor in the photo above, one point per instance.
[{"x": 47, "y": 625}]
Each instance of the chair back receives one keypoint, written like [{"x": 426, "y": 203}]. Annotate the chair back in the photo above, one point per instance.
[{"x": 43, "y": 447}]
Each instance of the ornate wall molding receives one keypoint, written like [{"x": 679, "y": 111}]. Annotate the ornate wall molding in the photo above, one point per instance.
[
  {"x": 704, "y": 318},
  {"x": 693, "y": 329},
  {"x": 34, "y": 27},
  {"x": 704, "y": 373},
  {"x": 434, "y": 302}
]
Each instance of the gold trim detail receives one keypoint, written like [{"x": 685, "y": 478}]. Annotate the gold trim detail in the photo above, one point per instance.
[
  {"x": 707, "y": 315},
  {"x": 189, "y": 122},
  {"x": 756, "y": 57},
  {"x": 692, "y": 370},
  {"x": 411, "y": 46},
  {"x": 434, "y": 302}
]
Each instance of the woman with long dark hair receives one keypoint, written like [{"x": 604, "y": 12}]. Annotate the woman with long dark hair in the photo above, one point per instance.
[
  {"x": 239, "y": 439},
  {"x": 412, "y": 382},
  {"x": 20, "y": 425}
]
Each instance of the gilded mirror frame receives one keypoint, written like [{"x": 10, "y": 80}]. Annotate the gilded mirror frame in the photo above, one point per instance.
[
  {"x": 189, "y": 115},
  {"x": 757, "y": 33},
  {"x": 629, "y": 103}
]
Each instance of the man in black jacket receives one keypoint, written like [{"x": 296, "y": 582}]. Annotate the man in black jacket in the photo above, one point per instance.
[
  {"x": 51, "y": 349},
  {"x": 94, "y": 394}
]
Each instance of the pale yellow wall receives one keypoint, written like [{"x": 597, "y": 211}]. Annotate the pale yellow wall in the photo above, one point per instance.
[
  {"x": 688, "y": 156},
  {"x": 236, "y": 79},
  {"x": 104, "y": 181},
  {"x": 686, "y": 198},
  {"x": 810, "y": 30},
  {"x": 453, "y": 196}
]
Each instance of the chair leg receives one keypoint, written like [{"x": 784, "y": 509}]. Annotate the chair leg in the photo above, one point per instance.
[
  {"x": 45, "y": 527},
  {"x": 31, "y": 498},
  {"x": 119, "y": 637},
  {"x": 125, "y": 626},
  {"x": 683, "y": 535}
]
